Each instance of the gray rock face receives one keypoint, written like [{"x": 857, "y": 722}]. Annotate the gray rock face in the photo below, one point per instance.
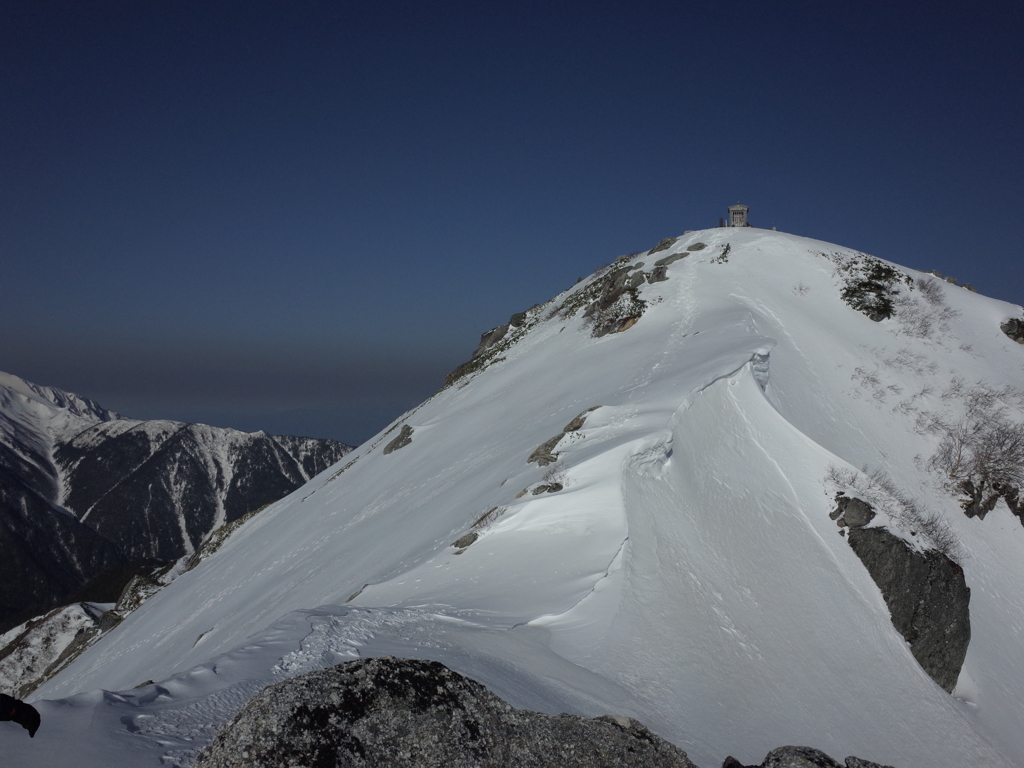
[
  {"x": 616, "y": 305},
  {"x": 465, "y": 541},
  {"x": 405, "y": 713},
  {"x": 490, "y": 338},
  {"x": 1014, "y": 328},
  {"x": 545, "y": 453},
  {"x": 403, "y": 439},
  {"x": 663, "y": 245},
  {"x": 928, "y": 600},
  {"x": 798, "y": 757},
  {"x": 802, "y": 757},
  {"x": 856, "y": 762},
  {"x": 657, "y": 275},
  {"x": 547, "y": 488},
  {"x": 852, "y": 512}
]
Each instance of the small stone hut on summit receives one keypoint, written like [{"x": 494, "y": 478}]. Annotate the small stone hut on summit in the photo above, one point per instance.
[{"x": 738, "y": 216}]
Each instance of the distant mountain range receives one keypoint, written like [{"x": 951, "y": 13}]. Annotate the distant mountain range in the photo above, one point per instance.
[{"x": 86, "y": 493}]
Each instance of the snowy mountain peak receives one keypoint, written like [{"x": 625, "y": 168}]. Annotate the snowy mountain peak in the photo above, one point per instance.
[
  {"x": 649, "y": 496},
  {"x": 54, "y": 397}
]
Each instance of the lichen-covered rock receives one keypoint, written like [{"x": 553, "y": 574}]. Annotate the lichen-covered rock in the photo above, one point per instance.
[
  {"x": 544, "y": 453},
  {"x": 547, "y": 488},
  {"x": 852, "y": 512},
  {"x": 666, "y": 260},
  {"x": 406, "y": 713},
  {"x": 927, "y": 596},
  {"x": 657, "y": 275},
  {"x": 403, "y": 439},
  {"x": 611, "y": 303},
  {"x": 465, "y": 541},
  {"x": 618, "y": 305},
  {"x": 798, "y": 757},
  {"x": 801, "y": 757},
  {"x": 856, "y": 762},
  {"x": 663, "y": 245}
]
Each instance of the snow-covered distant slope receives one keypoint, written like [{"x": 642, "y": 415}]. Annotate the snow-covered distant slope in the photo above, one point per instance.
[
  {"x": 668, "y": 554},
  {"x": 83, "y": 490}
]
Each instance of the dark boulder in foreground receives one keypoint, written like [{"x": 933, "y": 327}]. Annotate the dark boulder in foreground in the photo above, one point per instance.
[
  {"x": 928, "y": 600},
  {"x": 406, "y": 713},
  {"x": 802, "y": 757}
]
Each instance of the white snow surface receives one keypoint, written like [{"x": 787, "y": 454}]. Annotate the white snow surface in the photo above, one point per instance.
[{"x": 687, "y": 575}]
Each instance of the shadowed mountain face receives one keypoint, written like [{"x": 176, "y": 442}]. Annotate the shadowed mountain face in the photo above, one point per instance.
[
  {"x": 84, "y": 490},
  {"x": 46, "y": 553},
  {"x": 157, "y": 488}
]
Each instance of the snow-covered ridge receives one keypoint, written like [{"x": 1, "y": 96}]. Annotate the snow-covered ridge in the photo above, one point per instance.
[{"x": 676, "y": 562}]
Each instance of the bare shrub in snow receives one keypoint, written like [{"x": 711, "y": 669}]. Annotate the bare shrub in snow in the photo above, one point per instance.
[
  {"x": 870, "y": 381},
  {"x": 488, "y": 517},
  {"x": 801, "y": 290},
  {"x": 904, "y": 512},
  {"x": 904, "y": 360},
  {"x": 930, "y": 290},
  {"x": 921, "y": 319},
  {"x": 981, "y": 454},
  {"x": 867, "y": 379},
  {"x": 553, "y": 474}
]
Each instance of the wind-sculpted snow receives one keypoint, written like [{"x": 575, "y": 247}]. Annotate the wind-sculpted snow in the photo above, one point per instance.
[{"x": 681, "y": 567}]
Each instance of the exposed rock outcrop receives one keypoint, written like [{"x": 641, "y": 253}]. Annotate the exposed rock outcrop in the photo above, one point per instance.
[
  {"x": 611, "y": 303},
  {"x": 406, "y": 713},
  {"x": 663, "y": 245},
  {"x": 489, "y": 338},
  {"x": 852, "y": 512},
  {"x": 802, "y": 757},
  {"x": 465, "y": 541},
  {"x": 27, "y": 651},
  {"x": 545, "y": 453},
  {"x": 927, "y": 596},
  {"x": 403, "y": 439},
  {"x": 493, "y": 343},
  {"x": 1014, "y": 328}
]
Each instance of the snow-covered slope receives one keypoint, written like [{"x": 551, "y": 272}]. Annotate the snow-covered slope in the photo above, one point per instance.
[{"x": 672, "y": 557}]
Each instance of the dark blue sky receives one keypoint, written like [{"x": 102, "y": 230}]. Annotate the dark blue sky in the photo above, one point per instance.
[{"x": 297, "y": 216}]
